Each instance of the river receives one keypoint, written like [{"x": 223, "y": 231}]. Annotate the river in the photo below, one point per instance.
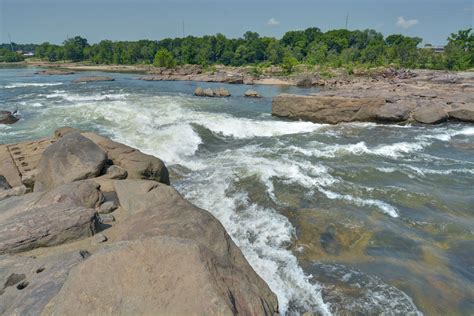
[{"x": 345, "y": 219}]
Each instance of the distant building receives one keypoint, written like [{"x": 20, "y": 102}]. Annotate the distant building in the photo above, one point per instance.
[
  {"x": 28, "y": 54},
  {"x": 436, "y": 49}
]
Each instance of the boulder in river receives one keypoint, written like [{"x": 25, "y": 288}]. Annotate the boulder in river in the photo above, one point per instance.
[
  {"x": 252, "y": 94},
  {"x": 7, "y": 117},
  {"x": 208, "y": 92},
  {"x": 221, "y": 92}
]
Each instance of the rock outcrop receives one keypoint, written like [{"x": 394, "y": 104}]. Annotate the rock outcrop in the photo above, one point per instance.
[
  {"x": 374, "y": 106},
  {"x": 108, "y": 240},
  {"x": 326, "y": 109},
  {"x": 92, "y": 79}
]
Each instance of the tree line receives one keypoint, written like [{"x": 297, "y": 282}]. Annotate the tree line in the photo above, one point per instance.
[{"x": 334, "y": 48}]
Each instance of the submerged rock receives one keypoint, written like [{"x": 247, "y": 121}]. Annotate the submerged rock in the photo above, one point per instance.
[
  {"x": 92, "y": 79},
  {"x": 389, "y": 244},
  {"x": 50, "y": 72}
]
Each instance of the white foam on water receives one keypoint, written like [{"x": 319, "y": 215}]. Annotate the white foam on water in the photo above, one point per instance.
[
  {"x": 386, "y": 169},
  {"x": 248, "y": 128},
  {"x": 448, "y": 134},
  {"x": 425, "y": 171},
  {"x": 31, "y": 84},
  {"x": 261, "y": 233},
  {"x": 395, "y": 150},
  {"x": 384, "y": 207},
  {"x": 74, "y": 97}
]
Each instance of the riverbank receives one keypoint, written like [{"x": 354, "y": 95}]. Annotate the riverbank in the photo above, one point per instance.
[{"x": 87, "y": 221}]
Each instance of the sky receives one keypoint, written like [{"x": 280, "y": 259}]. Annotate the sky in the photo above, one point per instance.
[{"x": 37, "y": 21}]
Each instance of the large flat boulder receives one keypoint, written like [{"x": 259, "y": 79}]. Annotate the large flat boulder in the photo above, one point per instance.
[
  {"x": 326, "y": 109},
  {"x": 44, "y": 219},
  {"x": 48, "y": 226},
  {"x": 393, "y": 112},
  {"x": 155, "y": 210},
  {"x": 462, "y": 114},
  {"x": 72, "y": 158},
  {"x": 155, "y": 276},
  {"x": 432, "y": 114},
  {"x": 137, "y": 164}
]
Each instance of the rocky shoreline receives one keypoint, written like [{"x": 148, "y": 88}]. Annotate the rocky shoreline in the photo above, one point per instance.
[
  {"x": 424, "y": 97},
  {"x": 92, "y": 226}
]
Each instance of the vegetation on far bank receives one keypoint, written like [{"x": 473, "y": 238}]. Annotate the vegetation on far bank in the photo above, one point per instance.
[{"x": 335, "y": 48}]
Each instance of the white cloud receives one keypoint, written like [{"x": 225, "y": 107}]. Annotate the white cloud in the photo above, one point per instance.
[
  {"x": 273, "y": 22},
  {"x": 406, "y": 24}
]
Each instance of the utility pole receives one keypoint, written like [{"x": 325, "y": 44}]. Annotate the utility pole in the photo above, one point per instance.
[
  {"x": 183, "y": 29},
  {"x": 11, "y": 44},
  {"x": 347, "y": 20}
]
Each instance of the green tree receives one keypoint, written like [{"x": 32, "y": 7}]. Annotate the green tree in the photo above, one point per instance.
[
  {"x": 460, "y": 50},
  {"x": 289, "y": 63},
  {"x": 6, "y": 55},
  {"x": 164, "y": 58},
  {"x": 317, "y": 53},
  {"x": 74, "y": 48}
]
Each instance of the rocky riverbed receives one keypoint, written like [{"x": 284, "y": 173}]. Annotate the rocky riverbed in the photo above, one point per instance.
[{"x": 92, "y": 226}]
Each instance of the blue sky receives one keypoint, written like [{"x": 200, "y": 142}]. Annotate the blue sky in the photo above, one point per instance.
[{"x": 37, "y": 21}]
